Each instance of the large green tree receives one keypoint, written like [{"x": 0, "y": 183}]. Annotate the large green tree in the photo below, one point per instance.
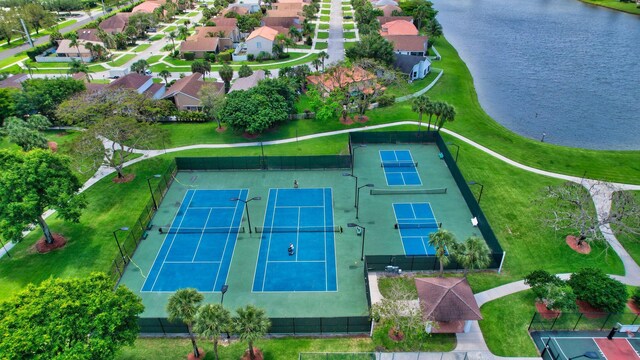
[
  {"x": 27, "y": 133},
  {"x": 599, "y": 290},
  {"x": 37, "y": 17},
  {"x": 31, "y": 183},
  {"x": 44, "y": 95},
  {"x": 183, "y": 306},
  {"x": 212, "y": 101},
  {"x": 372, "y": 46},
  {"x": 442, "y": 241},
  {"x": 421, "y": 105},
  {"x": 7, "y": 102},
  {"x": 201, "y": 66},
  {"x": 226, "y": 74},
  {"x": 211, "y": 321},
  {"x": 251, "y": 324},
  {"x": 473, "y": 253},
  {"x": 8, "y": 24},
  {"x": 82, "y": 318}
]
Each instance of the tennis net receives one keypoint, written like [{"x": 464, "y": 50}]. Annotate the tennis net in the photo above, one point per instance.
[
  {"x": 423, "y": 225},
  {"x": 397, "y": 164},
  {"x": 407, "y": 191},
  {"x": 182, "y": 230},
  {"x": 295, "y": 229}
]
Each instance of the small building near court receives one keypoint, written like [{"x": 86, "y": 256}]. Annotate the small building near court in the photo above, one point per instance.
[{"x": 449, "y": 302}]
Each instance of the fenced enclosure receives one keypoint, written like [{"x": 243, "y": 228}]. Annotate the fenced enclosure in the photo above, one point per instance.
[
  {"x": 318, "y": 162},
  {"x": 453, "y": 355},
  {"x": 575, "y": 321}
]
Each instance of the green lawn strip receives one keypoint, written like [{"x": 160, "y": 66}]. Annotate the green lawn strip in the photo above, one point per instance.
[
  {"x": 11, "y": 60},
  {"x": 349, "y": 26},
  {"x": 301, "y": 46},
  {"x": 404, "y": 88},
  {"x": 349, "y": 45},
  {"x": 154, "y": 59},
  {"x": 631, "y": 242},
  {"x": 321, "y": 45},
  {"x": 276, "y": 348},
  {"x": 323, "y": 35},
  {"x": 505, "y": 322},
  {"x": 418, "y": 342},
  {"x": 122, "y": 60},
  {"x": 349, "y": 35},
  {"x": 456, "y": 87},
  {"x": 629, "y": 7},
  {"x": 43, "y": 32},
  {"x": 60, "y": 26},
  {"x": 13, "y": 69},
  {"x": 325, "y": 18},
  {"x": 325, "y": 12},
  {"x": 180, "y": 62},
  {"x": 97, "y": 68},
  {"x": 169, "y": 29},
  {"x": 346, "y": 8},
  {"x": 324, "y": 27},
  {"x": 141, "y": 47},
  {"x": 192, "y": 14},
  {"x": 156, "y": 37},
  {"x": 46, "y": 65},
  {"x": 182, "y": 21}
]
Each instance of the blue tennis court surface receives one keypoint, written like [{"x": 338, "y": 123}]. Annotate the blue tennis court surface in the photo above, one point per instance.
[
  {"x": 399, "y": 168},
  {"x": 415, "y": 222},
  {"x": 304, "y": 218},
  {"x": 198, "y": 247}
]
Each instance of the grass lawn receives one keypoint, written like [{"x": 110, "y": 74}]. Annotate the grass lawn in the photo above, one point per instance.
[
  {"x": 505, "y": 324},
  {"x": 349, "y": 45},
  {"x": 325, "y": 12},
  {"x": 274, "y": 349},
  {"x": 122, "y": 59},
  {"x": 629, "y": 241},
  {"x": 323, "y": 35},
  {"x": 141, "y": 47},
  {"x": 349, "y": 26},
  {"x": 325, "y": 18},
  {"x": 60, "y": 26},
  {"x": 301, "y": 46},
  {"x": 324, "y": 27},
  {"x": 295, "y": 58},
  {"x": 321, "y": 45},
  {"x": 631, "y": 7},
  {"x": 192, "y": 14},
  {"x": 12, "y": 60},
  {"x": 169, "y": 29},
  {"x": 404, "y": 88},
  {"x": 156, "y": 37},
  {"x": 154, "y": 59},
  {"x": 349, "y": 35},
  {"x": 346, "y": 8},
  {"x": 182, "y": 22}
]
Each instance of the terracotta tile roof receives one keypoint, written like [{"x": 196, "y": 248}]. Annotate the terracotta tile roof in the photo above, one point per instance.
[
  {"x": 346, "y": 77},
  {"x": 387, "y": 10},
  {"x": 281, "y": 29},
  {"x": 153, "y": 89},
  {"x": 284, "y": 13},
  {"x": 116, "y": 23},
  {"x": 240, "y": 10},
  {"x": 130, "y": 81},
  {"x": 408, "y": 42},
  {"x": 14, "y": 81},
  {"x": 204, "y": 31},
  {"x": 200, "y": 44},
  {"x": 88, "y": 34},
  {"x": 64, "y": 47},
  {"x": 398, "y": 27},
  {"x": 265, "y": 32},
  {"x": 222, "y": 21},
  {"x": 385, "y": 19},
  {"x": 288, "y": 6},
  {"x": 190, "y": 86},
  {"x": 248, "y": 82},
  {"x": 280, "y": 21},
  {"x": 147, "y": 7},
  {"x": 447, "y": 299},
  {"x": 292, "y": 2}
]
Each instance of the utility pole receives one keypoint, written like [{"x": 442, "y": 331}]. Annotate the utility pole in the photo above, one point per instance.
[{"x": 24, "y": 26}]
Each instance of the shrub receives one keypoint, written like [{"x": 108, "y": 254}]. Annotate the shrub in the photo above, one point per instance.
[
  {"x": 284, "y": 56},
  {"x": 386, "y": 100},
  {"x": 557, "y": 297},
  {"x": 541, "y": 278},
  {"x": 32, "y": 53},
  {"x": 225, "y": 55},
  {"x": 308, "y": 40},
  {"x": 599, "y": 290},
  {"x": 189, "y": 55},
  {"x": 636, "y": 296},
  {"x": 251, "y": 57},
  {"x": 167, "y": 47},
  {"x": 191, "y": 116},
  {"x": 245, "y": 71},
  {"x": 262, "y": 56}
]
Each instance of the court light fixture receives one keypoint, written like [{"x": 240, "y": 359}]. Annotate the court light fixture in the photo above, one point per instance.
[
  {"x": 457, "y": 149},
  {"x": 358, "y": 198},
  {"x": 364, "y": 231},
  {"x": 224, "y": 289},
  {"x": 353, "y": 155},
  {"x": 588, "y": 354},
  {"x": 355, "y": 195},
  {"x": 481, "y": 189},
  {"x": 115, "y": 236},
  {"x": 155, "y": 204},
  {"x": 246, "y": 207}
]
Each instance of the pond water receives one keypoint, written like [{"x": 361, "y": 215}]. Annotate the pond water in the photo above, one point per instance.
[{"x": 562, "y": 68}]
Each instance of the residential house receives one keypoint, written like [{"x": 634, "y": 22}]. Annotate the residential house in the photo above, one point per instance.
[
  {"x": 207, "y": 40},
  {"x": 66, "y": 50},
  {"x": 147, "y": 7},
  {"x": 388, "y": 10},
  {"x": 88, "y": 34},
  {"x": 285, "y": 22},
  {"x": 384, "y": 2},
  {"x": 303, "y": 2},
  {"x": 90, "y": 86},
  {"x": 385, "y": 19},
  {"x": 184, "y": 92},
  {"x": 411, "y": 55},
  {"x": 398, "y": 27},
  {"x": 14, "y": 81},
  {"x": 223, "y": 21},
  {"x": 297, "y": 6},
  {"x": 248, "y": 82},
  {"x": 116, "y": 24},
  {"x": 142, "y": 84},
  {"x": 286, "y": 13},
  {"x": 449, "y": 302},
  {"x": 416, "y": 67},
  {"x": 240, "y": 9},
  {"x": 200, "y": 46},
  {"x": 261, "y": 39},
  {"x": 222, "y": 31},
  {"x": 354, "y": 79}
]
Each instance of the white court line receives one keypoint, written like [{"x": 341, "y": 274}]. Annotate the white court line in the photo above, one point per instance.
[
  {"x": 191, "y": 262},
  {"x": 266, "y": 260},
  {"x": 601, "y": 352},
  {"x": 297, "y": 207},
  {"x": 226, "y": 244},
  {"x": 193, "y": 258}
]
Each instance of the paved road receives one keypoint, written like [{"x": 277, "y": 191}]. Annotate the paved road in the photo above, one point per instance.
[{"x": 336, "y": 42}]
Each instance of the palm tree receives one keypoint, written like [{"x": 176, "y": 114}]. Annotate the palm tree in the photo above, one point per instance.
[
  {"x": 436, "y": 110},
  {"x": 79, "y": 67},
  {"x": 226, "y": 74},
  {"x": 448, "y": 114},
  {"x": 420, "y": 105},
  {"x": 183, "y": 305},
  {"x": 294, "y": 33},
  {"x": 165, "y": 74},
  {"x": 201, "y": 66},
  {"x": 172, "y": 36},
  {"x": 251, "y": 324},
  {"x": 140, "y": 66},
  {"x": 211, "y": 321},
  {"x": 441, "y": 240},
  {"x": 316, "y": 63},
  {"x": 183, "y": 32},
  {"x": 473, "y": 253},
  {"x": 322, "y": 55},
  {"x": 267, "y": 73},
  {"x": 74, "y": 43}
]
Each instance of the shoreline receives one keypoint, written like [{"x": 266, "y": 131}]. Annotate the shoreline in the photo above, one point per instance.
[{"x": 600, "y": 4}]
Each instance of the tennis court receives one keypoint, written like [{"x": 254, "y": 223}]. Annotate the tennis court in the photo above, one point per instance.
[
  {"x": 415, "y": 221},
  {"x": 304, "y": 219},
  {"x": 199, "y": 244},
  {"x": 399, "y": 168},
  {"x": 564, "y": 345}
]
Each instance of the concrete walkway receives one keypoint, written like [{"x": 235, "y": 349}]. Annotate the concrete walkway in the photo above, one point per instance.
[{"x": 335, "y": 47}]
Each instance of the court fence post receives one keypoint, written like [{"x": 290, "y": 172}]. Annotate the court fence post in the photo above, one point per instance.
[
  {"x": 532, "y": 319},
  {"x": 554, "y": 321},
  {"x": 605, "y": 321},
  {"x": 634, "y": 320},
  {"x": 161, "y": 327},
  {"x": 578, "y": 321}
]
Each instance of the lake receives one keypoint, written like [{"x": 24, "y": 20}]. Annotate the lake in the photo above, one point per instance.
[{"x": 562, "y": 67}]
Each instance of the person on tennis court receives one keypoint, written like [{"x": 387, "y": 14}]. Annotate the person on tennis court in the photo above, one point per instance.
[
  {"x": 290, "y": 249},
  {"x": 295, "y": 184}
]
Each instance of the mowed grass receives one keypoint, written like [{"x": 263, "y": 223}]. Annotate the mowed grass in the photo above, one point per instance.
[
  {"x": 122, "y": 60},
  {"x": 629, "y": 7},
  {"x": 348, "y": 26},
  {"x": 141, "y": 47},
  {"x": 505, "y": 322},
  {"x": 323, "y": 35},
  {"x": 325, "y": 18},
  {"x": 324, "y": 27},
  {"x": 631, "y": 242},
  {"x": 322, "y": 45},
  {"x": 349, "y": 35}
]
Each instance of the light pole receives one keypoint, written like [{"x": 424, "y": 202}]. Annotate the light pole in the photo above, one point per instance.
[
  {"x": 358, "y": 198},
  {"x": 355, "y": 195},
  {"x": 155, "y": 204},
  {"x": 224, "y": 289},
  {"x": 588, "y": 354},
  {"x": 481, "y": 189},
  {"x": 115, "y": 236},
  {"x": 353, "y": 155},
  {"x": 457, "y": 149},
  {"x": 364, "y": 231},
  {"x": 246, "y": 207}
]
